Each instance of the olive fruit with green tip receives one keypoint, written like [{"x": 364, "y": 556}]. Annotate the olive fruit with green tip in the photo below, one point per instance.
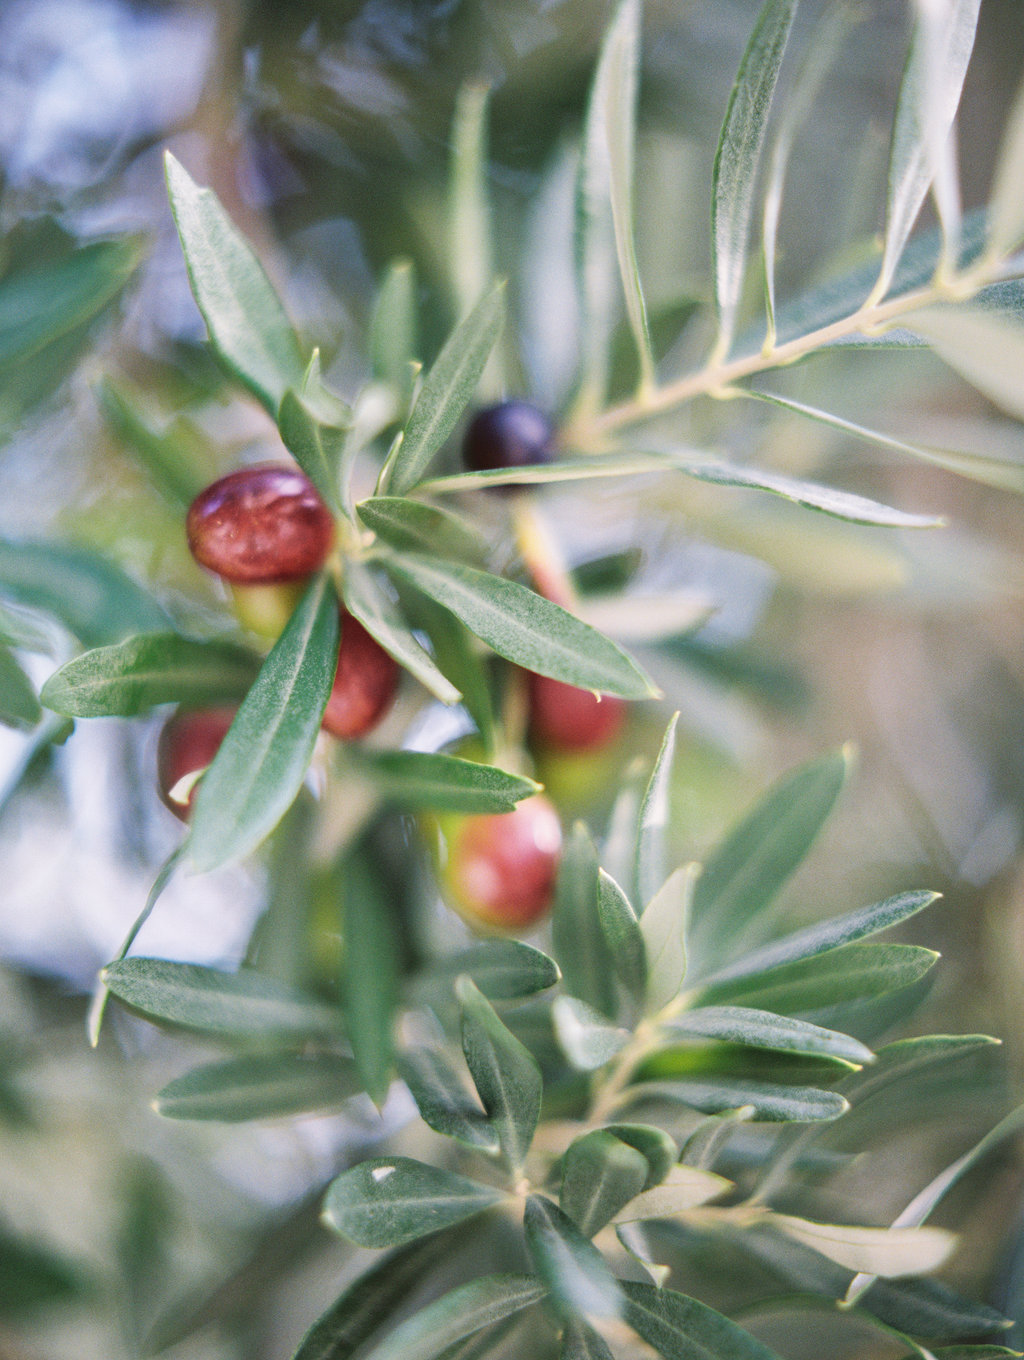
[{"x": 260, "y": 525}]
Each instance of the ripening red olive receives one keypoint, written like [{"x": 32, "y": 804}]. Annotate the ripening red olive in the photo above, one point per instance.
[
  {"x": 188, "y": 742},
  {"x": 260, "y": 525},
  {"x": 512, "y": 434},
  {"x": 564, "y": 718},
  {"x": 498, "y": 870},
  {"x": 364, "y": 683}
]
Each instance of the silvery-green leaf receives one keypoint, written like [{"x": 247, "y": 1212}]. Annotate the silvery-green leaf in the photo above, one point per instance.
[
  {"x": 600, "y": 1174},
  {"x": 524, "y": 627},
  {"x": 540, "y": 474},
  {"x": 469, "y": 210},
  {"x": 685, "y": 1188},
  {"x": 663, "y": 926},
  {"x": 393, "y": 329},
  {"x": 1006, "y": 208},
  {"x": 618, "y": 853},
  {"x": 738, "y": 156},
  {"x": 368, "y": 601},
  {"x": 679, "y": 1327},
  {"x": 462, "y": 1311},
  {"x": 443, "y": 1100},
  {"x": 580, "y": 1342},
  {"x": 446, "y": 391},
  {"x": 623, "y": 935},
  {"x": 315, "y": 445},
  {"x": 929, "y": 94},
  {"x": 405, "y": 523},
  {"x": 505, "y": 1074},
  {"x": 651, "y": 867},
  {"x": 420, "y": 779},
  {"x": 260, "y": 1086},
  {"x": 985, "y": 349},
  {"x": 581, "y": 946},
  {"x": 459, "y": 657},
  {"x": 388, "y": 1201},
  {"x": 130, "y": 677},
  {"x": 504, "y": 970},
  {"x": 585, "y": 1035},
  {"x": 656, "y": 1146},
  {"x": 572, "y": 1268},
  {"x": 763, "y": 1029},
  {"x": 771, "y": 1101},
  {"x": 262, "y": 761},
  {"x": 245, "y": 319},
  {"x": 883, "y": 1251}
]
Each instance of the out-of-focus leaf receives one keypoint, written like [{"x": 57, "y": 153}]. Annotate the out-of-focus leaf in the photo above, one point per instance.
[
  {"x": 649, "y": 617},
  {"x": 762, "y": 1029},
  {"x": 443, "y": 1100},
  {"x": 742, "y": 876},
  {"x": 459, "y": 1313},
  {"x": 580, "y": 1342},
  {"x": 524, "y": 627},
  {"x": 173, "y": 457},
  {"x": 845, "y": 974},
  {"x": 469, "y": 211},
  {"x": 388, "y": 1201},
  {"x": 42, "y": 304},
  {"x": 446, "y": 392},
  {"x": 414, "y": 525},
  {"x": 797, "y": 1104},
  {"x": 315, "y": 445},
  {"x": 982, "y": 347},
  {"x": 33, "y": 1279},
  {"x": 582, "y": 949},
  {"x": 393, "y": 329},
  {"x": 214, "y": 1002},
  {"x": 19, "y": 705},
  {"x": 884, "y": 1251},
  {"x": 929, "y": 94},
  {"x": 568, "y": 470},
  {"x": 262, "y": 761},
  {"x": 572, "y": 1268},
  {"x": 623, "y": 935},
  {"x": 93, "y": 598},
  {"x": 504, "y": 970},
  {"x": 663, "y": 926},
  {"x": 657, "y": 1147},
  {"x": 651, "y": 868},
  {"x": 260, "y": 1086},
  {"x": 739, "y": 154},
  {"x": 930, "y": 1309},
  {"x": 247, "y": 325},
  {"x": 1005, "y": 210},
  {"x": 504, "y": 1072},
  {"x": 26, "y": 631},
  {"x": 600, "y": 1174},
  {"x": 422, "y": 779},
  {"x": 686, "y": 1188},
  {"x": 679, "y": 1327},
  {"x": 459, "y": 657},
  {"x": 968, "y": 1353},
  {"x": 585, "y": 1035},
  {"x": 136, "y": 675},
  {"x": 370, "y": 973}
]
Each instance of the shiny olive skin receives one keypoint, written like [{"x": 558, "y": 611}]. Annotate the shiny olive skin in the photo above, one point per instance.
[
  {"x": 564, "y": 718},
  {"x": 365, "y": 683},
  {"x": 260, "y": 525},
  {"x": 189, "y": 740},
  {"x": 498, "y": 870},
  {"x": 512, "y": 434}
]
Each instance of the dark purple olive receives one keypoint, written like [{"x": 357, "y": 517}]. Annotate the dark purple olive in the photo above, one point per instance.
[{"x": 512, "y": 434}]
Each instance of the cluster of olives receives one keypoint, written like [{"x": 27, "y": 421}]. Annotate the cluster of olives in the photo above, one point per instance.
[{"x": 266, "y": 527}]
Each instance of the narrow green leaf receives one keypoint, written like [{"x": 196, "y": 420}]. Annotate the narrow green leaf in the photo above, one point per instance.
[
  {"x": 260, "y": 1086},
  {"x": 685, "y": 1188},
  {"x": 524, "y": 627},
  {"x": 762, "y": 1029},
  {"x": 580, "y": 1342},
  {"x": 368, "y": 601},
  {"x": 586, "y": 1037},
  {"x": 248, "y": 328},
  {"x": 263, "y": 759},
  {"x": 420, "y": 779},
  {"x": 623, "y": 936},
  {"x": 848, "y": 973},
  {"x": 94, "y": 599},
  {"x": 990, "y": 471},
  {"x": 651, "y": 866},
  {"x": 504, "y": 1072},
  {"x": 443, "y": 1100},
  {"x": 618, "y": 852},
  {"x": 26, "y": 631},
  {"x": 39, "y": 305},
  {"x": 884, "y": 1251},
  {"x": 388, "y": 1201},
  {"x": 738, "y": 155},
  {"x": 459, "y": 657},
  {"x": 929, "y": 94},
  {"x": 459, "y": 1313},
  {"x": 927, "y": 1308},
  {"x": 447, "y": 390},
  {"x": 968, "y": 1353},
  {"x": 19, "y": 706},
  {"x": 826, "y": 935},
  {"x": 711, "y": 1134},
  {"x": 505, "y": 970},
  {"x": 1005, "y": 210},
  {"x": 414, "y": 525},
  {"x": 681, "y": 1328},
  {"x": 657, "y": 1147},
  {"x": 175, "y": 457},
  {"x": 797, "y": 1104},
  {"x": 572, "y": 1268},
  {"x": 582, "y": 950},
  {"x": 370, "y": 973},
  {"x": 663, "y": 926},
  {"x": 839, "y": 504},
  {"x": 136, "y": 675},
  {"x": 469, "y": 210},
  {"x": 314, "y": 444},
  {"x": 742, "y": 876},
  {"x": 600, "y": 1174},
  {"x": 984, "y": 348},
  {"x": 213, "y": 1002},
  {"x": 393, "y": 329},
  {"x": 569, "y": 470},
  {"x": 612, "y": 129}
]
